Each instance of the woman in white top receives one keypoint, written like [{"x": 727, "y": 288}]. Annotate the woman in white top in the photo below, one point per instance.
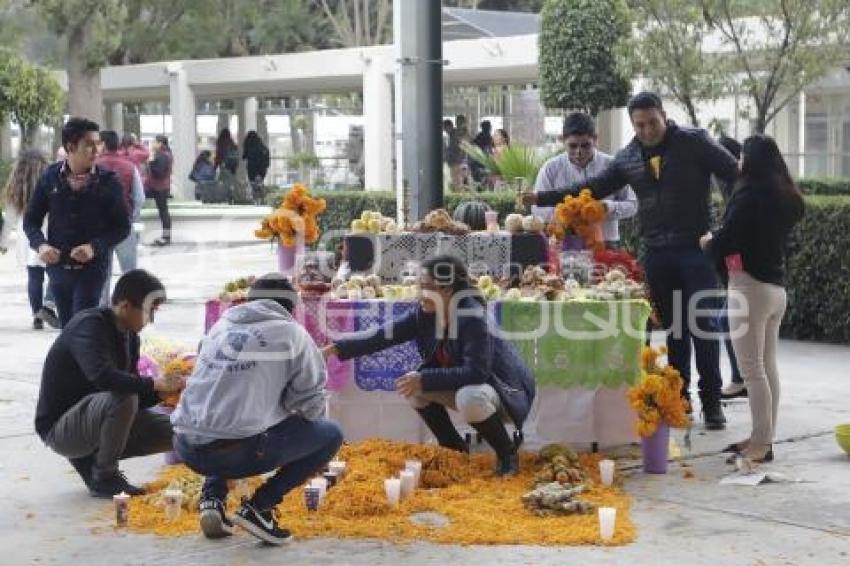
[{"x": 16, "y": 195}]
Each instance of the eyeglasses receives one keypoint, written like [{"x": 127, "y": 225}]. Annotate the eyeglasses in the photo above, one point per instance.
[{"x": 575, "y": 146}]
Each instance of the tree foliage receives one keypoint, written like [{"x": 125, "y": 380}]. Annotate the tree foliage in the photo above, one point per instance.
[
  {"x": 29, "y": 95},
  {"x": 775, "y": 48},
  {"x": 582, "y": 54},
  {"x": 670, "y": 55}
]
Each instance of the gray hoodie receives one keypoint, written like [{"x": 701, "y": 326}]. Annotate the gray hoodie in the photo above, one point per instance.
[{"x": 256, "y": 367}]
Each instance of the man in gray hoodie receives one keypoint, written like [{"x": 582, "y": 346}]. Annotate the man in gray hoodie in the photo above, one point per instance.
[{"x": 256, "y": 403}]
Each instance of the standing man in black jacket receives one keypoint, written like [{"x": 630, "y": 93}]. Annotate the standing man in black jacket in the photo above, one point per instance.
[
  {"x": 92, "y": 405},
  {"x": 669, "y": 168},
  {"x": 86, "y": 218}
]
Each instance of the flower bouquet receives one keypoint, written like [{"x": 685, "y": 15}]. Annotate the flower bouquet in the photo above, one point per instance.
[
  {"x": 293, "y": 224},
  {"x": 657, "y": 400},
  {"x": 579, "y": 217}
]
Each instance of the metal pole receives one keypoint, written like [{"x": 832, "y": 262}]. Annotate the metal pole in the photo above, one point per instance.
[{"x": 419, "y": 101}]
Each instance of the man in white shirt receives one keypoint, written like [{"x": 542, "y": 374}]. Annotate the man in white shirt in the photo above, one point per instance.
[{"x": 582, "y": 161}]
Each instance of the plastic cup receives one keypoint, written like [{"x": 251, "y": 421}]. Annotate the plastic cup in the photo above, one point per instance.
[
  {"x": 606, "y": 472},
  {"x": 322, "y": 485},
  {"x": 337, "y": 466},
  {"x": 408, "y": 483},
  {"x": 173, "y": 499},
  {"x": 122, "y": 508},
  {"x": 414, "y": 466},
  {"x": 491, "y": 220},
  {"x": 332, "y": 478},
  {"x": 392, "y": 486},
  {"x": 312, "y": 495},
  {"x": 607, "y": 520}
]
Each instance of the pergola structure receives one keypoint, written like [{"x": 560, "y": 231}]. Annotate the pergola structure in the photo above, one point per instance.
[{"x": 491, "y": 55}]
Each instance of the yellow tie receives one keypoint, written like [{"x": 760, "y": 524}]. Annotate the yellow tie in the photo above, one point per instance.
[{"x": 655, "y": 166}]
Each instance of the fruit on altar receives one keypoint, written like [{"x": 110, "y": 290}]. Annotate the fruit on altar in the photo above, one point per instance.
[
  {"x": 358, "y": 226},
  {"x": 513, "y": 223},
  {"x": 355, "y": 293},
  {"x": 513, "y": 294},
  {"x": 369, "y": 292},
  {"x": 533, "y": 224},
  {"x": 374, "y": 226}
]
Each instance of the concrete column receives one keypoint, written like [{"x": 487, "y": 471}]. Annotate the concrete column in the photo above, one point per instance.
[
  {"x": 378, "y": 135},
  {"x": 184, "y": 137},
  {"x": 116, "y": 117},
  {"x": 249, "y": 115},
  {"x": 5, "y": 139},
  {"x": 801, "y": 136}
]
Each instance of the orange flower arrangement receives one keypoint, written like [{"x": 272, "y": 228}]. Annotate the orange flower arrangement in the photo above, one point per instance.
[
  {"x": 296, "y": 216},
  {"x": 657, "y": 397},
  {"x": 178, "y": 368},
  {"x": 581, "y": 216}
]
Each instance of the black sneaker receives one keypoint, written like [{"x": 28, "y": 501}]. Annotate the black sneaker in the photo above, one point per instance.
[
  {"x": 37, "y": 324},
  {"x": 214, "y": 521},
  {"x": 262, "y": 525},
  {"x": 83, "y": 467},
  {"x": 108, "y": 486},
  {"x": 714, "y": 418},
  {"x": 48, "y": 315},
  {"x": 507, "y": 465}
]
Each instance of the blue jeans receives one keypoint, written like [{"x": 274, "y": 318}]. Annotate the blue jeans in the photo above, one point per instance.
[
  {"x": 35, "y": 289},
  {"x": 75, "y": 289},
  {"x": 296, "y": 447},
  {"x": 127, "y": 252},
  {"x": 674, "y": 276}
]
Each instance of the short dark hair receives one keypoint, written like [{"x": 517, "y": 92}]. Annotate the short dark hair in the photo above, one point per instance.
[
  {"x": 731, "y": 145},
  {"x": 75, "y": 129},
  {"x": 109, "y": 139},
  {"x": 138, "y": 286},
  {"x": 486, "y": 125},
  {"x": 162, "y": 139},
  {"x": 274, "y": 286},
  {"x": 448, "y": 122},
  {"x": 645, "y": 101},
  {"x": 128, "y": 139},
  {"x": 579, "y": 124}
]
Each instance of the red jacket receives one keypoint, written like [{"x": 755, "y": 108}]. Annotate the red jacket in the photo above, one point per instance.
[
  {"x": 124, "y": 169},
  {"x": 137, "y": 154}
]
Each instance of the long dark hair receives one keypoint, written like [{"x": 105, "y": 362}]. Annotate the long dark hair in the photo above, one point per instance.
[
  {"x": 449, "y": 271},
  {"x": 223, "y": 144},
  {"x": 764, "y": 168}
]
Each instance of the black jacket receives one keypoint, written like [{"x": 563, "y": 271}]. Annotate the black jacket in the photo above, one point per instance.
[
  {"x": 756, "y": 226},
  {"x": 90, "y": 356},
  {"x": 257, "y": 160},
  {"x": 476, "y": 355},
  {"x": 674, "y": 210},
  {"x": 96, "y": 215}
]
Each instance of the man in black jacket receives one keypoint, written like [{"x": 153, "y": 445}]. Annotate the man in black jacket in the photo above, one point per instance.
[
  {"x": 87, "y": 218},
  {"x": 669, "y": 168},
  {"x": 92, "y": 405}
]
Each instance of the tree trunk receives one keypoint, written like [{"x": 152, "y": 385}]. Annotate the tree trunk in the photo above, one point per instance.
[
  {"x": 5, "y": 139},
  {"x": 84, "y": 96},
  {"x": 692, "y": 113},
  {"x": 28, "y": 132}
]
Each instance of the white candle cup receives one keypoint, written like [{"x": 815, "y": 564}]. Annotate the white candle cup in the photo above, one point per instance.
[
  {"x": 408, "y": 483},
  {"x": 607, "y": 520},
  {"x": 392, "y": 486},
  {"x": 606, "y": 472},
  {"x": 173, "y": 499},
  {"x": 122, "y": 508},
  {"x": 337, "y": 466},
  {"x": 322, "y": 484},
  {"x": 414, "y": 466}
]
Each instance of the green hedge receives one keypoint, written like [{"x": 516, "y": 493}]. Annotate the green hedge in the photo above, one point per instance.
[
  {"x": 825, "y": 186},
  {"x": 818, "y": 278}
]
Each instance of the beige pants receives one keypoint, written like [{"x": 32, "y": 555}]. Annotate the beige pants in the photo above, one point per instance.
[
  {"x": 755, "y": 333},
  {"x": 475, "y": 403}
]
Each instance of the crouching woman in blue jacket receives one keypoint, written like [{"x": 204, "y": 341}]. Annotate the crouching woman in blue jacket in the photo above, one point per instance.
[{"x": 466, "y": 367}]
